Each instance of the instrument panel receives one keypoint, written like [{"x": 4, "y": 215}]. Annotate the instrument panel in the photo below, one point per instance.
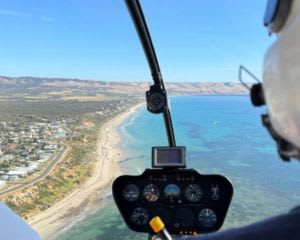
[{"x": 184, "y": 199}]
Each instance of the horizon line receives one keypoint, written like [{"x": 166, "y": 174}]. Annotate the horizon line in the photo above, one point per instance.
[{"x": 122, "y": 81}]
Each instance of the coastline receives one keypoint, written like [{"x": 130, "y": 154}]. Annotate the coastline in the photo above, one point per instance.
[{"x": 81, "y": 202}]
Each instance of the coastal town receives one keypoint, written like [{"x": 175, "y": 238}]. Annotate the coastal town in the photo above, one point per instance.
[
  {"x": 31, "y": 145},
  {"x": 26, "y": 145}
]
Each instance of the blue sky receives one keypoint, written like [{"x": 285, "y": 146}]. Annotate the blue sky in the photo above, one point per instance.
[{"x": 95, "y": 39}]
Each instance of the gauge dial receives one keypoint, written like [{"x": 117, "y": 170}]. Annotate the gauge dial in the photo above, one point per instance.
[
  {"x": 151, "y": 192},
  {"x": 172, "y": 191},
  {"x": 193, "y": 193},
  {"x": 139, "y": 216},
  {"x": 156, "y": 101},
  {"x": 131, "y": 192},
  {"x": 207, "y": 217},
  {"x": 184, "y": 218}
]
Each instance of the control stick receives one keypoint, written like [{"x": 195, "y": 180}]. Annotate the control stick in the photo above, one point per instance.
[{"x": 158, "y": 227}]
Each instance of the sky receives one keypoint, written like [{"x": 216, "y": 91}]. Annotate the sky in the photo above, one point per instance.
[{"x": 95, "y": 39}]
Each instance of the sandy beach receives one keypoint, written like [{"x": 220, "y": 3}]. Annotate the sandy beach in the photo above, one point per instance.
[{"x": 79, "y": 203}]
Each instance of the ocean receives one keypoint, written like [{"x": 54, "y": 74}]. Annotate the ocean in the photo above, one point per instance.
[{"x": 222, "y": 134}]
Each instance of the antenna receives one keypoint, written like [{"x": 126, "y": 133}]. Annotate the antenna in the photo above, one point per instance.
[{"x": 138, "y": 18}]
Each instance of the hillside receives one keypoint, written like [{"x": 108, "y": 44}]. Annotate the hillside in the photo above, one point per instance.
[{"x": 32, "y": 88}]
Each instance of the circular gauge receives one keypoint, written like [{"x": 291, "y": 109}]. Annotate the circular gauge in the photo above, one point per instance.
[
  {"x": 193, "y": 193},
  {"x": 151, "y": 192},
  {"x": 172, "y": 191},
  {"x": 131, "y": 192},
  {"x": 157, "y": 101},
  {"x": 184, "y": 217},
  {"x": 207, "y": 217},
  {"x": 139, "y": 216}
]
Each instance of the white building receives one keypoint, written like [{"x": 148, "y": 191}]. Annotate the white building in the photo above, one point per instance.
[
  {"x": 4, "y": 177},
  {"x": 17, "y": 173},
  {"x": 2, "y": 184}
]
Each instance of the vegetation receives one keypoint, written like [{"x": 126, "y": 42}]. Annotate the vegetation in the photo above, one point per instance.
[
  {"x": 83, "y": 107},
  {"x": 75, "y": 167},
  {"x": 68, "y": 175}
]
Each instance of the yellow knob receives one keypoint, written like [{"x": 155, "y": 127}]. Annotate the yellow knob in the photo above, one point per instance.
[{"x": 157, "y": 224}]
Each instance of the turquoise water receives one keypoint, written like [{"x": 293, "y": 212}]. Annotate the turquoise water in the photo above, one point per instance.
[{"x": 223, "y": 134}]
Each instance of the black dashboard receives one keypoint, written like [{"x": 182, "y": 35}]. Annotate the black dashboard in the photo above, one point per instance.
[{"x": 184, "y": 199}]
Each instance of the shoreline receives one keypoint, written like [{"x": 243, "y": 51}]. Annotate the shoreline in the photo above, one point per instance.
[{"x": 83, "y": 201}]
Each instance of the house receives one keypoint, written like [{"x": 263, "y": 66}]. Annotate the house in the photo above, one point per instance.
[
  {"x": 17, "y": 173},
  {"x": 32, "y": 168},
  {"x": 50, "y": 148},
  {"x": 44, "y": 157},
  {"x": 4, "y": 177},
  {"x": 13, "y": 178},
  {"x": 2, "y": 184},
  {"x": 7, "y": 157}
]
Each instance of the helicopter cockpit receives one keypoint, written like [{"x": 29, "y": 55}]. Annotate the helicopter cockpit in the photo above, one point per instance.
[{"x": 186, "y": 201}]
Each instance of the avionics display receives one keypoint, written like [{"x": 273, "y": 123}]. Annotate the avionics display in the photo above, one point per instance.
[{"x": 168, "y": 157}]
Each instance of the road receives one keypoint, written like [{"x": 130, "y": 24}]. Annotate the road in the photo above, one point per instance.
[{"x": 46, "y": 172}]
